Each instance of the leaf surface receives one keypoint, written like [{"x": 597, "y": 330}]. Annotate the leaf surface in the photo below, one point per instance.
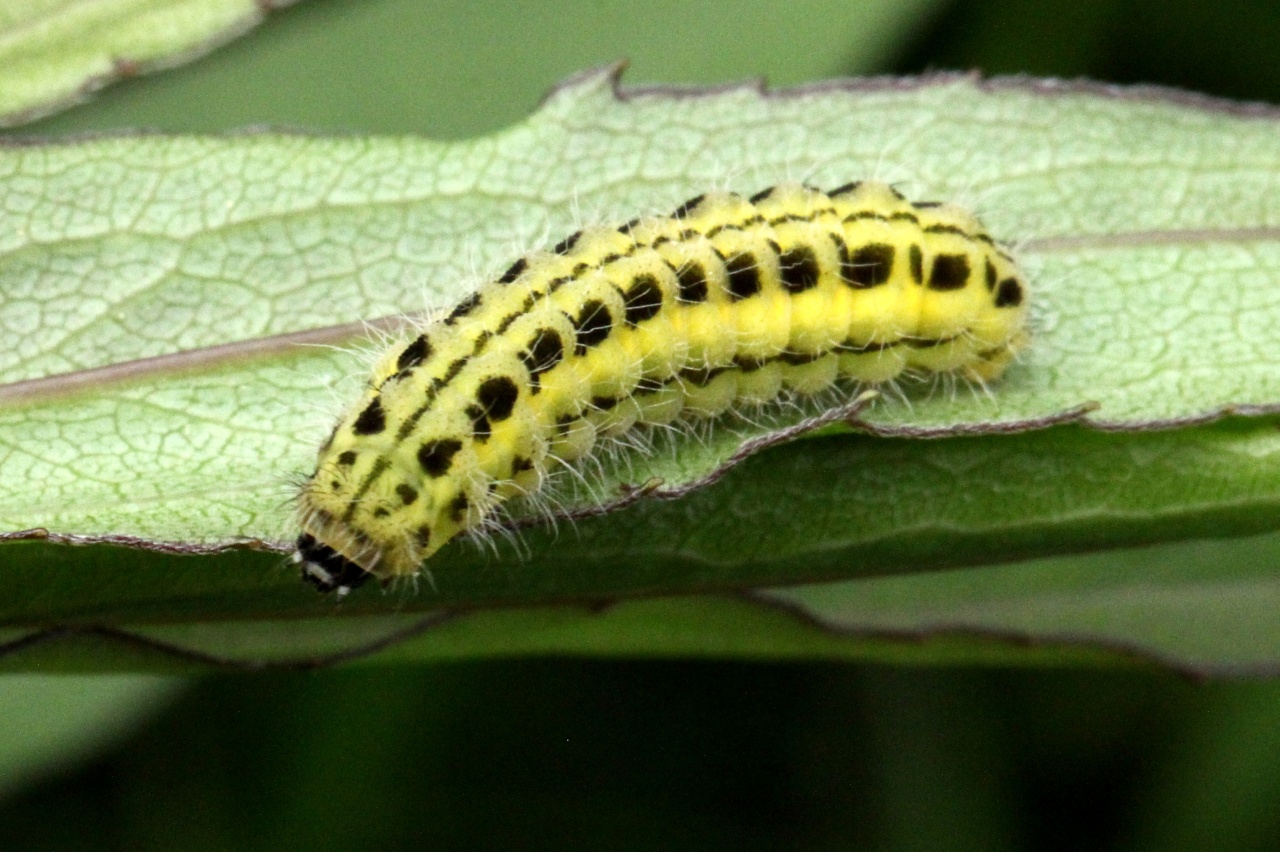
[{"x": 158, "y": 291}]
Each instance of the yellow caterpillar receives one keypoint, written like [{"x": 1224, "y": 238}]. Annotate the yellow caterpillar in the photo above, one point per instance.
[{"x": 726, "y": 301}]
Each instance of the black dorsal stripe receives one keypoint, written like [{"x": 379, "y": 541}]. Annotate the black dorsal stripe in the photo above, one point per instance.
[
  {"x": 372, "y": 420},
  {"x": 643, "y": 300},
  {"x": 866, "y": 214},
  {"x": 949, "y": 272},
  {"x": 915, "y": 258},
  {"x": 414, "y": 354},
  {"x": 799, "y": 268},
  {"x": 497, "y": 396},
  {"x": 868, "y": 266},
  {"x": 685, "y": 209},
  {"x": 744, "y": 276},
  {"x": 566, "y": 245},
  {"x": 380, "y": 466},
  {"x": 1009, "y": 294},
  {"x": 436, "y": 457},
  {"x": 463, "y": 308},
  {"x": 514, "y": 271},
  {"x": 693, "y": 284},
  {"x": 593, "y": 325},
  {"x": 545, "y": 350}
]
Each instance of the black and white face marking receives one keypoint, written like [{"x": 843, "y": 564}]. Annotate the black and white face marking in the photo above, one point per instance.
[{"x": 326, "y": 569}]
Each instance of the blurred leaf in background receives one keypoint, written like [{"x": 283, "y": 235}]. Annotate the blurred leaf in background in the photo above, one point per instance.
[
  {"x": 53, "y": 722},
  {"x": 54, "y": 53},
  {"x": 1222, "y": 48},
  {"x": 642, "y": 755},
  {"x": 454, "y": 69}
]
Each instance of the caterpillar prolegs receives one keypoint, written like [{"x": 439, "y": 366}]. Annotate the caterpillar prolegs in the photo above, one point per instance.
[{"x": 727, "y": 301}]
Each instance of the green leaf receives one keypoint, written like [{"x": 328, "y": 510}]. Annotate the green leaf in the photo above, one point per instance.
[
  {"x": 1204, "y": 608},
  {"x": 55, "y": 52},
  {"x": 53, "y": 722},
  {"x": 464, "y": 69},
  {"x": 157, "y": 291}
]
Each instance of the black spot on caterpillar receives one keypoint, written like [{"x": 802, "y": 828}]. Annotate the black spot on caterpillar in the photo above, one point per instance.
[
  {"x": 414, "y": 354},
  {"x": 726, "y": 301}
]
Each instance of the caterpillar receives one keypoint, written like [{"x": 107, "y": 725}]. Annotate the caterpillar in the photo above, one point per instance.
[{"x": 727, "y": 301}]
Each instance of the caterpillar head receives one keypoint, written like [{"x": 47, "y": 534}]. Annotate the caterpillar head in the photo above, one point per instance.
[
  {"x": 377, "y": 506},
  {"x": 327, "y": 569}
]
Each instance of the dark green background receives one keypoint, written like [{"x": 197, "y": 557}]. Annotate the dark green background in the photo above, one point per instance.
[{"x": 645, "y": 755}]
